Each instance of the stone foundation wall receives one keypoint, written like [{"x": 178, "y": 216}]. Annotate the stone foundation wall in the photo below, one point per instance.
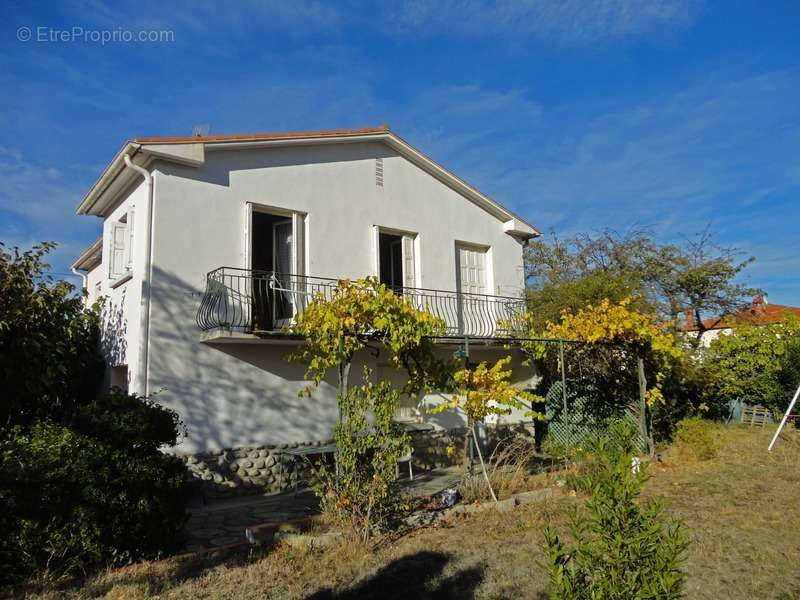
[
  {"x": 252, "y": 470},
  {"x": 266, "y": 469}
]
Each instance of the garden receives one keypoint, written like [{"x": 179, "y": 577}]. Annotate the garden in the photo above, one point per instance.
[{"x": 627, "y": 484}]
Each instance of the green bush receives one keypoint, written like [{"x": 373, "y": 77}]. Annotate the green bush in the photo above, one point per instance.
[
  {"x": 362, "y": 494},
  {"x": 83, "y": 481},
  {"x": 789, "y": 372},
  {"x": 619, "y": 438},
  {"x": 621, "y": 548},
  {"x": 695, "y": 438},
  {"x": 71, "y": 502},
  {"x": 50, "y": 360},
  {"x": 137, "y": 424}
]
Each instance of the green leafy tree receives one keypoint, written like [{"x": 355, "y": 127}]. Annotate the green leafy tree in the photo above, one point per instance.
[
  {"x": 50, "y": 361},
  {"x": 698, "y": 276},
  {"x": 83, "y": 481},
  {"x": 748, "y": 363},
  {"x": 701, "y": 280},
  {"x": 567, "y": 275},
  {"x": 621, "y": 548},
  {"x": 789, "y": 371}
]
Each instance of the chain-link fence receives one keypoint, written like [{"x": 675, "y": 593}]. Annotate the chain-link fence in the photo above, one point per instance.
[{"x": 588, "y": 385}]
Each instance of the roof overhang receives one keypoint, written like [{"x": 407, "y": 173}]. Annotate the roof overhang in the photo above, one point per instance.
[
  {"x": 90, "y": 257},
  {"x": 191, "y": 151}
]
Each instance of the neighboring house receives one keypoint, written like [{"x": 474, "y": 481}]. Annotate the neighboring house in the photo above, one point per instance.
[
  {"x": 760, "y": 312},
  {"x": 212, "y": 243}
]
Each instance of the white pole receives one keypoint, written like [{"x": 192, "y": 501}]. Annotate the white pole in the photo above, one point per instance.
[{"x": 783, "y": 420}]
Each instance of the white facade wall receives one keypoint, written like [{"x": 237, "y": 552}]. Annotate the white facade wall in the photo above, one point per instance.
[
  {"x": 245, "y": 394},
  {"x": 122, "y": 297}
]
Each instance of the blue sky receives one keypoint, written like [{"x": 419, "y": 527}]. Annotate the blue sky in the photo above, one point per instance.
[{"x": 579, "y": 115}]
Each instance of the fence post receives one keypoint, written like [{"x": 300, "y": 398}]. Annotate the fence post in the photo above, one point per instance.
[
  {"x": 643, "y": 421},
  {"x": 564, "y": 388}
]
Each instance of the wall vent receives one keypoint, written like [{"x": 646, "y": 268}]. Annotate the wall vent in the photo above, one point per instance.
[{"x": 379, "y": 172}]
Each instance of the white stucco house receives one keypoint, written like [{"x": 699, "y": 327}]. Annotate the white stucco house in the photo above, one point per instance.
[{"x": 212, "y": 243}]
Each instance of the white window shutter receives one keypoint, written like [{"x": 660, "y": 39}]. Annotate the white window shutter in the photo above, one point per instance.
[
  {"x": 130, "y": 246},
  {"x": 299, "y": 244},
  {"x": 472, "y": 270},
  {"x": 117, "y": 254},
  {"x": 409, "y": 274}
]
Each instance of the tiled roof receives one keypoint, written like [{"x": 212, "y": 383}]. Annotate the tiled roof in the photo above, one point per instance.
[
  {"x": 759, "y": 313},
  {"x": 254, "y": 137}
]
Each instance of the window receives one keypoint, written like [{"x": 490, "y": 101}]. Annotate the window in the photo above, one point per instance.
[
  {"x": 396, "y": 263},
  {"x": 118, "y": 377},
  {"x": 120, "y": 253}
]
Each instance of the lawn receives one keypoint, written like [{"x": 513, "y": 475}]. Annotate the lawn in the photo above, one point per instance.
[{"x": 741, "y": 509}]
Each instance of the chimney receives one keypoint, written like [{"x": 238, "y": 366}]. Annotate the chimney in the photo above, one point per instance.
[
  {"x": 689, "y": 324},
  {"x": 759, "y": 304}
]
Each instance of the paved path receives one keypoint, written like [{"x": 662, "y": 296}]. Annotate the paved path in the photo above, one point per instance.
[{"x": 223, "y": 522}]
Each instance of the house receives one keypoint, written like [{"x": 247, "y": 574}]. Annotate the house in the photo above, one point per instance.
[
  {"x": 211, "y": 244},
  {"x": 760, "y": 312}
]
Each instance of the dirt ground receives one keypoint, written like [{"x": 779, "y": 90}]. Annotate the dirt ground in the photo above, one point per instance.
[{"x": 741, "y": 509}]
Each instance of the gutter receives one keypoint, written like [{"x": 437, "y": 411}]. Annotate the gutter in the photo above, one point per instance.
[
  {"x": 82, "y": 275},
  {"x": 142, "y": 386}
]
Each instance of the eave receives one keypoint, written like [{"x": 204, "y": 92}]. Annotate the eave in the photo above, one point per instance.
[{"x": 90, "y": 257}]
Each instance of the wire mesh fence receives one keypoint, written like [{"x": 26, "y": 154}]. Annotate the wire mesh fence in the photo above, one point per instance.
[{"x": 586, "y": 386}]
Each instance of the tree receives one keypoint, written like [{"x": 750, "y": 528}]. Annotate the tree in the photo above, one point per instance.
[
  {"x": 567, "y": 275},
  {"x": 482, "y": 391},
  {"x": 359, "y": 496},
  {"x": 364, "y": 314},
  {"x": 753, "y": 362},
  {"x": 609, "y": 338},
  {"x": 700, "y": 280},
  {"x": 621, "y": 548},
  {"x": 664, "y": 279},
  {"x": 361, "y": 314},
  {"x": 600, "y": 360},
  {"x": 51, "y": 361}
]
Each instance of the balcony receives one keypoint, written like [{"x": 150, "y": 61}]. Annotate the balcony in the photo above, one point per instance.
[{"x": 263, "y": 303}]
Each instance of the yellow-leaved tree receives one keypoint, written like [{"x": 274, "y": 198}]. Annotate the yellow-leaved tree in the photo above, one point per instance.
[
  {"x": 604, "y": 345},
  {"x": 363, "y": 312},
  {"x": 487, "y": 390}
]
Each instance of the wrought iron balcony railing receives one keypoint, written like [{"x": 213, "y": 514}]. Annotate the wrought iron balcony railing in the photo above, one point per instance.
[{"x": 264, "y": 301}]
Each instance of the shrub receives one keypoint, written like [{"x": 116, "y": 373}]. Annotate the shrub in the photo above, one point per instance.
[
  {"x": 51, "y": 359},
  {"x": 137, "y": 424},
  {"x": 749, "y": 362},
  {"x": 620, "y": 438},
  {"x": 696, "y": 439},
  {"x": 83, "y": 482},
  {"x": 72, "y": 500},
  {"x": 360, "y": 495},
  {"x": 621, "y": 548}
]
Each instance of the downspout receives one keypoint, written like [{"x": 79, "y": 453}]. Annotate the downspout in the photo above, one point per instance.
[
  {"x": 82, "y": 275},
  {"x": 142, "y": 386}
]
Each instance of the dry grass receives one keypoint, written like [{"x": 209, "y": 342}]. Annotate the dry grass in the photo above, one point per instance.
[
  {"x": 741, "y": 509},
  {"x": 509, "y": 469}
]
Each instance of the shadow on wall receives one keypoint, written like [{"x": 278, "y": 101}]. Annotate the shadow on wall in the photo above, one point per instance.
[
  {"x": 113, "y": 342},
  {"x": 239, "y": 396},
  {"x": 412, "y": 576}
]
